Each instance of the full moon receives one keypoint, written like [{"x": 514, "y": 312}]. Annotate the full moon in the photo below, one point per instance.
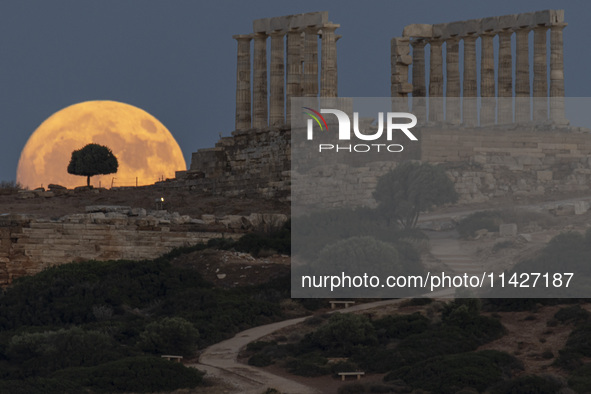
[{"x": 145, "y": 149}]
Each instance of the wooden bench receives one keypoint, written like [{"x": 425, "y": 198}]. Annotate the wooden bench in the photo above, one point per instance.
[
  {"x": 343, "y": 375},
  {"x": 346, "y": 303},
  {"x": 175, "y": 358}
]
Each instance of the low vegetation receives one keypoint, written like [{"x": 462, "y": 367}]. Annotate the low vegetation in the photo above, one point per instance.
[
  {"x": 401, "y": 344},
  {"x": 102, "y": 326}
]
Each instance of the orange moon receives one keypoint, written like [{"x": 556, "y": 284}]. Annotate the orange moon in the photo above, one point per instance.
[{"x": 144, "y": 148}]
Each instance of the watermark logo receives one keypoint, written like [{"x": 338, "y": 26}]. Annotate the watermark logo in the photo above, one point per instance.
[
  {"x": 344, "y": 133},
  {"x": 316, "y": 116}
]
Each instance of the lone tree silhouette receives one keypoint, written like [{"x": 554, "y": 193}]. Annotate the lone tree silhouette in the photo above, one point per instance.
[
  {"x": 92, "y": 160},
  {"x": 411, "y": 188}
]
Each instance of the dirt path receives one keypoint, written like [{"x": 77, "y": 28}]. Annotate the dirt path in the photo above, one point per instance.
[{"x": 221, "y": 360}]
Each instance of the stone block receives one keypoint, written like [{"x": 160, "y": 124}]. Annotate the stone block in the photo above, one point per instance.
[
  {"x": 108, "y": 208},
  {"x": 208, "y": 219},
  {"x": 418, "y": 30},
  {"x": 544, "y": 176},
  {"x": 440, "y": 30},
  {"x": 25, "y": 195},
  {"x": 404, "y": 59},
  {"x": 563, "y": 210},
  {"x": 508, "y": 230},
  {"x": 543, "y": 17},
  {"x": 96, "y": 215},
  {"x": 581, "y": 207},
  {"x": 141, "y": 212},
  {"x": 285, "y": 23},
  {"x": 490, "y": 23},
  {"x": 525, "y": 20},
  {"x": 508, "y": 21},
  {"x": 557, "y": 16}
]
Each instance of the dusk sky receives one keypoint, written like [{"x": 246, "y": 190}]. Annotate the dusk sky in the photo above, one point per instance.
[{"x": 177, "y": 59}]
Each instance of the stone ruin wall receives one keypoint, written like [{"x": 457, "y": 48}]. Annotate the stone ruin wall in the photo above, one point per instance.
[
  {"x": 29, "y": 245},
  {"x": 250, "y": 163}
]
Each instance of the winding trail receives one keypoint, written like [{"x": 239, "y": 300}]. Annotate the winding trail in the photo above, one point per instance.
[{"x": 221, "y": 360}]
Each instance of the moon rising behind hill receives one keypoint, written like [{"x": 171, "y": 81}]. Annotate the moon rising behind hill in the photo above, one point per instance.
[{"x": 143, "y": 146}]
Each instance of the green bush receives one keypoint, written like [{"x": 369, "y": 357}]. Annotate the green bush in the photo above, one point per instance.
[
  {"x": 400, "y": 326},
  {"x": 42, "y": 352},
  {"x": 38, "y": 385},
  {"x": 255, "y": 243},
  {"x": 137, "y": 374},
  {"x": 487, "y": 220},
  {"x": 308, "y": 365},
  {"x": 342, "y": 335},
  {"x": 260, "y": 360},
  {"x": 572, "y": 314},
  {"x": 311, "y": 233},
  {"x": 528, "y": 385},
  {"x": 343, "y": 366},
  {"x": 411, "y": 188},
  {"x": 579, "y": 340},
  {"x": 450, "y": 373},
  {"x": 580, "y": 380},
  {"x": 170, "y": 335},
  {"x": 353, "y": 256}
]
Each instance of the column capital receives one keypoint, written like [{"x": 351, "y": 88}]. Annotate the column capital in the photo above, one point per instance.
[
  {"x": 330, "y": 26},
  {"x": 277, "y": 33},
  {"x": 418, "y": 42},
  {"x": 240, "y": 37},
  {"x": 557, "y": 26},
  {"x": 470, "y": 37}
]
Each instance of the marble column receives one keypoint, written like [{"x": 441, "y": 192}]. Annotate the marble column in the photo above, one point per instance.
[
  {"x": 294, "y": 69},
  {"x": 436, "y": 82},
  {"x": 522, "y": 88},
  {"x": 452, "y": 94},
  {"x": 540, "y": 87},
  {"x": 557, "y": 74},
  {"x": 328, "y": 62},
  {"x": 260, "y": 82},
  {"x": 400, "y": 59},
  {"x": 310, "y": 80},
  {"x": 487, "y": 79},
  {"x": 470, "y": 91},
  {"x": 277, "y": 103},
  {"x": 505, "y": 76},
  {"x": 419, "y": 90},
  {"x": 243, "y": 82}
]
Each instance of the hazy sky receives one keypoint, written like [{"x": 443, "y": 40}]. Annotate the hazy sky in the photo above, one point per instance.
[{"x": 177, "y": 59}]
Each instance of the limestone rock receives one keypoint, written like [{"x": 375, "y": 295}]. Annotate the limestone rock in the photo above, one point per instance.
[
  {"x": 123, "y": 209},
  {"x": 418, "y": 30},
  {"x": 508, "y": 230}
]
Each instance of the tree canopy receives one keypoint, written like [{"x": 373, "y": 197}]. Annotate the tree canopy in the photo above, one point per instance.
[
  {"x": 93, "y": 159},
  {"x": 411, "y": 188}
]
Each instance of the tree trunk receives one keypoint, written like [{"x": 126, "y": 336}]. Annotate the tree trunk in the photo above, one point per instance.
[{"x": 88, "y": 181}]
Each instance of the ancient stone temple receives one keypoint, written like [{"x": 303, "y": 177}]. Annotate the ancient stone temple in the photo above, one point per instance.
[
  {"x": 295, "y": 65},
  {"x": 444, "y": 43},
  {"x": 255, "y": 160}
]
